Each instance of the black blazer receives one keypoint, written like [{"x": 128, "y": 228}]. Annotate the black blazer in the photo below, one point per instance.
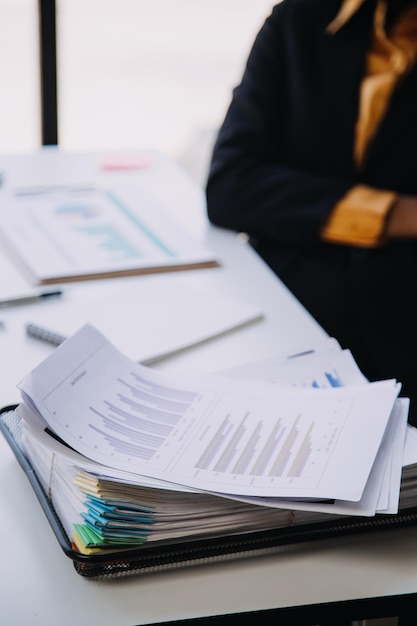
[{"x": 283, "y": 158}]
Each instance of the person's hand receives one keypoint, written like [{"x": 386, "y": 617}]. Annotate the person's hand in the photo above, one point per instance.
[{"x": 402, "y": 219}]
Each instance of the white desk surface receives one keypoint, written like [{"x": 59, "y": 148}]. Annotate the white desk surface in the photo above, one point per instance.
[{"x": 38, "y": 582}]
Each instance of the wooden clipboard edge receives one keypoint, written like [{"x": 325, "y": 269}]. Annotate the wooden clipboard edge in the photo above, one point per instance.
[{"x": 160, "y": 269}]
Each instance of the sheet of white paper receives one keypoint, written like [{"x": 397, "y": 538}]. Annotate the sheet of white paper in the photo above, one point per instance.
[
  {"x": 394, "y": 470},
  {"x": 153, "y": 316},
  {"x": 322, "y": 367},
  {"x": 369, "y": 503},
  {"x": 240, "y": 438},
  {"x": 410, "y": 448},
  {"x": 325, "y": 366}
]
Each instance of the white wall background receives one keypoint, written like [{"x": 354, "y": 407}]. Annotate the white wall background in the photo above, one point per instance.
[{"x": 132, "y": 73}]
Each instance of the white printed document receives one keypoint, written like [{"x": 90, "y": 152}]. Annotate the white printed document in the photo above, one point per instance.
[
  {"x": 73, "y": 232},
  {"x": 325, "y": 366},
  {"x": 224, "y": 436}
]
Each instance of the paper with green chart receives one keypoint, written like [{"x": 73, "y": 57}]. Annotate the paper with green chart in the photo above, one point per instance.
[{"x": 60, "y": 233}]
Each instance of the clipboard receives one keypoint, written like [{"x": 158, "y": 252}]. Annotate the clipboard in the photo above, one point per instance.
[
  {"x": 66, "y": 233},
  {"x": 171, "y": 554}
]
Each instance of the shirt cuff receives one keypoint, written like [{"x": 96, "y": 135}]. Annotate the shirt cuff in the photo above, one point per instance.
[{"x": 359, "y": 218}]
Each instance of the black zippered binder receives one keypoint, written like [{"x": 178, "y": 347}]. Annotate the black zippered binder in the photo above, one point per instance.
[{"x": 172, "y": 554}]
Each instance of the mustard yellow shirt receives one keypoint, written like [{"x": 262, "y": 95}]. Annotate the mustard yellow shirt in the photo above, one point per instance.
[{"x": 359, "y": 217}]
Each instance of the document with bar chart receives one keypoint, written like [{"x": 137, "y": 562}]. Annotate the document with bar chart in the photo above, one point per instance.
[
  {"x": 73, "y": 232},
  {"x": 219, "y": 435}
]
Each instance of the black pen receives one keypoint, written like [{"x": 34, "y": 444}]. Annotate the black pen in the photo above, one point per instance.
[{"x": 36, "y": 297}]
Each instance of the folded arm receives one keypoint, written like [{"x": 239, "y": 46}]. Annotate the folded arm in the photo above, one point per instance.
[{"x": 266, "y": 182}]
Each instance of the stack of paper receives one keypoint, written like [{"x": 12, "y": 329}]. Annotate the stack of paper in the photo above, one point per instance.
[{"x": 138, "y": 455}]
